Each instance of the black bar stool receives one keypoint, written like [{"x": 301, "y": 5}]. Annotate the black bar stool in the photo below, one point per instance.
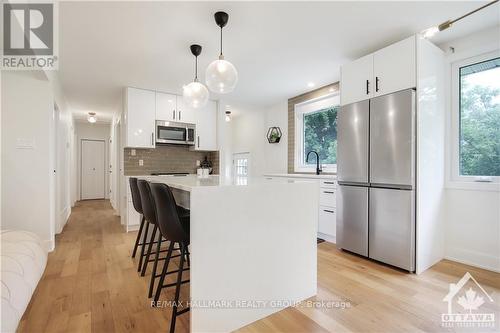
[
  {"x": 175, "y": 227},
  {"x": 136, "y": 200}
]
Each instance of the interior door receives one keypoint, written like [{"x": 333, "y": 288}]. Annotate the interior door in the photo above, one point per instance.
[
  {"x": 392, "y": 139},
  {"x": 353, "y": 134},
  {"x": 352, "y": 219},
  {"x": 92, "y": 169},
  {"x": 392, "y": 227}
]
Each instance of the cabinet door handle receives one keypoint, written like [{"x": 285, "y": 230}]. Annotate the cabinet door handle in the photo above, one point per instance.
[
  {"x": 367, "y": 87},
  {"x": 329, "y": 183},
  {"x": 152, "y": 138},
  {"x": 179, "y": 114},
  {"x": 328, "y": 211},
  {"x": 198, "y": 141},
  {"x": 328, "y": 192},
  {"x": 376, "y": 83},
  {"x": 173, "y": 114}
]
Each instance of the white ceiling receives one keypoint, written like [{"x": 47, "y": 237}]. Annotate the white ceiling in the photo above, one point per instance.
[{"x": 277, "y": 47}]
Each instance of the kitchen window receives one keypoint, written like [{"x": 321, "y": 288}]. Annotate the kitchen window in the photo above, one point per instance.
[
  {"x": 316, "y": 130},
  {"x": 476, "y": 119}
]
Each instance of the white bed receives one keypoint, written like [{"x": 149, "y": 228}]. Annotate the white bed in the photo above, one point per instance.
[{"x": 23, "y": 260}]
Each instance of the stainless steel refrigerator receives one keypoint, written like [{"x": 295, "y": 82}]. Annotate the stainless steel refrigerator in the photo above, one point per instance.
[{"x": 376, "y": 177}]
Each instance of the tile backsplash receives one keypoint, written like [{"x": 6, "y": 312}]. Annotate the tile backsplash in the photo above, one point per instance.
[{"x": 166, "y": 159}]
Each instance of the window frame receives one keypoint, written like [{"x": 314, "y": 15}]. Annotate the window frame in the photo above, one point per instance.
[
  {"x": 311, "y": 106},
  {"x": 457, "y": 180}
]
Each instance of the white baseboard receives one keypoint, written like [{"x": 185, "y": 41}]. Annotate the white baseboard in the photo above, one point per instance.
[
  {"x": 50, "y": 245},
  {"x": 327, "y": 238},
  {"x": 473, "y": 258},
  {"x": 130, "y": 228}
]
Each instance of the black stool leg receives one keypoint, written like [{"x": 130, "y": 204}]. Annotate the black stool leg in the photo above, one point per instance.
[
  {"x": 150, "y": 246},
  {"x": 155, "y": 264},
  {"x": 177, "y": 290},
  {"x": 136, "y": 245},
  {"x": 187, "y": 256},
  {"x": 164, "y": 272},
  {"x": 143, "y": 246}
]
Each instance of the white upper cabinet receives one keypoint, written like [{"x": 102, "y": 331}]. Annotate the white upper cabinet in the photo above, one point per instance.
[
  {"x": 185, "y": 113},
  {"x": 166, "y": 107},
  {"x": 206, "y": 127},
  {"x": 394, "y": 67},
  {"x": 388, "y": 70},
  {"x": 356, "y": 83},
  {"x": 140, "y": 113}
]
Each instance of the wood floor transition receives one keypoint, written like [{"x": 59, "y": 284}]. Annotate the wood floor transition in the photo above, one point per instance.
[{"x": 91, "y": 285}]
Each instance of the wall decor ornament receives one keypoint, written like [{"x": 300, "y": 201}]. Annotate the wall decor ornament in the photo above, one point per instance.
[{"x": 274, "y": 134}]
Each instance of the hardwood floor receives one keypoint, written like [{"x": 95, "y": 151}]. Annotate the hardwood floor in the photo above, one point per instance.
[{"x": 91, "y": 285}]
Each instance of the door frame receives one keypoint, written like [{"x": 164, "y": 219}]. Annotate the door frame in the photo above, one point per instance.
[{"x": 81, "y": 166}]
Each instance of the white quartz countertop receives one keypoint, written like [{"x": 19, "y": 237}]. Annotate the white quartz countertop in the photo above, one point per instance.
[
  {"x": 190, "y": 182},
  {"x": 301, "y": 175}
]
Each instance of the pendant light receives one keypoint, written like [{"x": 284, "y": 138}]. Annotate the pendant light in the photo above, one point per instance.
[
  {"x": 221, "y": 76},
  {"x": 195, "y": 94}
]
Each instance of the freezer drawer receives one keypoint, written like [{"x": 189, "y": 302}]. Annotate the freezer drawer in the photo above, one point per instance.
[
  {"x": 352, "y": 219},
  {"x": 392, "y": 227},
  {"x": 392, "y": 139},
  {"x": 352, "y": 139}
]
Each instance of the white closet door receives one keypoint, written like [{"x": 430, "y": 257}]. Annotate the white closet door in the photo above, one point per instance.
[{"x": 93, "y": 169}]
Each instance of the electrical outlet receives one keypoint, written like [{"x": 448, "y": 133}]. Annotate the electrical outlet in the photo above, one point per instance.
[
  {"x": 141, "y": 162},
  {"x": 197, "y": 163},
  {"x": 132, "y": 152}
]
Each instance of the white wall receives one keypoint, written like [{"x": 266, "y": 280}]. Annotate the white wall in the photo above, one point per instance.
[
  {"x": 248, "y": 134},
  {"x": 472, "y": 216},
  {"x": 96, "y": 131},
  {"x": 27, "y": 110}
]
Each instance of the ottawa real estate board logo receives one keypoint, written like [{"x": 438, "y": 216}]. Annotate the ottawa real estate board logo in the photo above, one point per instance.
[
  {"x": 29, "y": 36},
  {"x": 472, "y": 311}
]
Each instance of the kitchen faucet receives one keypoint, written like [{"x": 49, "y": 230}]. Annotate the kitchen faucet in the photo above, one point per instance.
[{"x": 318, "y": 169}]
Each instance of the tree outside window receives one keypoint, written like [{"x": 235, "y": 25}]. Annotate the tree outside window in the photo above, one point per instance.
[
  {"x": 479, "y": 145},
  {"x": 320, "y": 135}
]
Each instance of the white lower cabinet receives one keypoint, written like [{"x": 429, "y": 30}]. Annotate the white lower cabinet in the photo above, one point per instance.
[
  {"x": 327, "y": 215},
  {"x": 327, "y": 223}
]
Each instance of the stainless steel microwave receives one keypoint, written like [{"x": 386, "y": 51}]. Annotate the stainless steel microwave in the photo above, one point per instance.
[{"x": 175, "y": 133}]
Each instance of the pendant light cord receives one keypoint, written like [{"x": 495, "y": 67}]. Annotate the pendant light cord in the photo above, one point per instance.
[
  {"x": 221, "y": 41},
  {"x": 196, "y": 69}
]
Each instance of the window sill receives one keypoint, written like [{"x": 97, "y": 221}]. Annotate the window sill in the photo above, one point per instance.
[{"x": 472, "y": 186}]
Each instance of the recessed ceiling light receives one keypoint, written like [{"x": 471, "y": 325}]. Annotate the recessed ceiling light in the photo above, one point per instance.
[
  {"x": 330, "y": 90},
  {"x": 310, "y": 84}
]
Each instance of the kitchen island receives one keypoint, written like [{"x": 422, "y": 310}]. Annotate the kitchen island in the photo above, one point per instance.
[{"x": 253, "y": 246}]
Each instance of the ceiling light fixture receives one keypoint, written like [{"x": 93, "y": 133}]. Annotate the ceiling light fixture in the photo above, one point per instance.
[
  {"x": 310, "y": 84},
  {"x": 195, "y": 94},
  {"x": 221, "y": 75},
  {"x": 428, "y": 33},
  {"x": 91, "y": 118}
]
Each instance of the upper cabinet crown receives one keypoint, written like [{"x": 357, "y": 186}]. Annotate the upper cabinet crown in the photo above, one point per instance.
[{"x": 388, "y": 70}]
